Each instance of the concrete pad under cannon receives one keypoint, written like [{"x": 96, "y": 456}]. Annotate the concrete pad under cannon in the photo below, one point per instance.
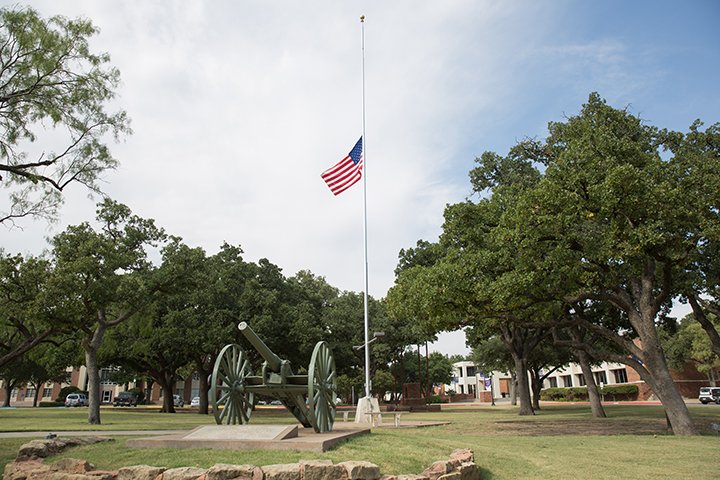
[{"x": 253, "y": 437}]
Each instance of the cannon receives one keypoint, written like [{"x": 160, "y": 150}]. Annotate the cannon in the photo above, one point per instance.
[{"x": 310, "y": 398}]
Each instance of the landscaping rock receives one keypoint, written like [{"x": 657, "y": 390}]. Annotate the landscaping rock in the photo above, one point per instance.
[
  {"x": 462, "y": 455},
  {"x": 283, "y": 471},
  {"x": 321, "y": 470},
  {"x": 71, "y": 465},
  {"x": 44, "y": 448},
  {"x": 361, "y": 470},
  {"x": 223, "y": 471},
  {"x": 469, "y": 471},
  {"x": 103, "y": 474},
  {"x": 451, "y": 476},
  {"x": 139, "y": 472},
  {"x": 63, "y": 476},
  {"x": 22, "y": 470},
  {"x": 181, "y": 473},
  {"x": 438, "y": 469}
]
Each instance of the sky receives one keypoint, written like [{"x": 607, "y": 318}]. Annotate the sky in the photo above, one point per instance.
[{"x": 238, "y": 106}]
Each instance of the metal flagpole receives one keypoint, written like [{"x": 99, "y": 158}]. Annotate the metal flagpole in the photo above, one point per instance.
[{"x": 365, "y": 251}]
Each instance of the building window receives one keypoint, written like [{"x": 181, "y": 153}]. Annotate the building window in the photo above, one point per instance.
[
  {"x": 106, "y": 376},
  {"x": 47, "y": 392},
  {"x": 567, "y": 381},
  {"x": 580, "y": 379},
  {"x": 106, "y": 396},
  {"x": 471, "y": 371},
  {"x": 471, "y": 389},
  {"x": 620, "y": 375},
  {"x": 553, "y": 382},
  {"x": 461, "y": 389},
  {"x": 600, "y": 377}
]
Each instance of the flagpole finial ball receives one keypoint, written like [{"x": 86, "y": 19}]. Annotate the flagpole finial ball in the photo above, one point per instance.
[{"x": 362, "y": 18}]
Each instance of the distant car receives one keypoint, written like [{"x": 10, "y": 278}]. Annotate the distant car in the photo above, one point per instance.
[
  {"x": 709, "y": 394},
  {"x": 125, "y": 399},
  {"x": 276, "y": 402},
  {"x": 262, "y": 402},
  {"x": 178, "y": 401},
  {"x": 195, "y": 402},
  {"x": 76, "y": 400}
]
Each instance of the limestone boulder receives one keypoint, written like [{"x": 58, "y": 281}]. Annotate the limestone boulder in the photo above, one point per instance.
[
  {"x": 438, "y": 469},
  {"x": 181, "y": 473},
  {"x": 139, "y": 472},
  {"x": 321, "y": 470},
  {"x": 462, "y": 455},
  {"x": 358, "y": 470},
  {"x": 222, "y": 471},
  {"x": 22, "y": 470},
  {"x": 283, "y": 471},
  {"x": 469, "y": 471}
]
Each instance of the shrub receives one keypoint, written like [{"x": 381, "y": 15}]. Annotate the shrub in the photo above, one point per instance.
[
  {"x": 620, "y": 392},
  {"x": 580, "y": 394},
  {"x": 65, "y": 391},
  {"x": 52, "y": 404},
  {"x": 437, "y": 399}
]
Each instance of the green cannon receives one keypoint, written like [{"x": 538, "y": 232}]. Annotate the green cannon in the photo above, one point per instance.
[{"x": 310, "y": 398}]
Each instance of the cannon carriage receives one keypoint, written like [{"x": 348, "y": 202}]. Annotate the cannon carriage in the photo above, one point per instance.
[{"x": 310, "y": 398}]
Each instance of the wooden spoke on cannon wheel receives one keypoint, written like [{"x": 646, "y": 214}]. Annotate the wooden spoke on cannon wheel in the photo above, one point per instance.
[
  {"x": 322, "y": 388},
  {"x": 232, "y": 404}
]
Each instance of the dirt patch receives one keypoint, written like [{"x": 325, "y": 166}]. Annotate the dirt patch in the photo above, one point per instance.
[{"x": 581, "y": 427}]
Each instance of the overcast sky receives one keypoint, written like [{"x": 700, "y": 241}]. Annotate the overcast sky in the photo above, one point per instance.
[{"x": 238, "y": 106}]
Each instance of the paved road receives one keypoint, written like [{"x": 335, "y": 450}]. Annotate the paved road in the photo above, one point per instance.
[{"x": 90, "y": 433}]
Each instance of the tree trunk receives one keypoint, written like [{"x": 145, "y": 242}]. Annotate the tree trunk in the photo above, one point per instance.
[
  {"x": 8, "y": 391},
  {"x": 167, "y": 383},
  {"x": 659, "y": 379},
  {"x": 204, "y": 386},
  {"x": 513, "y": 388},
  {"x": 705, "y": 323},
  {"x": 536, "y": 387},
  {"x": 37, "y": 392},
  {"x": 593, "y": 396},
  {"x": 91, "y": 344},
  {"x": 523, "y": 385}
]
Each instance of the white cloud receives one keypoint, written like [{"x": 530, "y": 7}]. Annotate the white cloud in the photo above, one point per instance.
[{"x": 237, "y": 106}]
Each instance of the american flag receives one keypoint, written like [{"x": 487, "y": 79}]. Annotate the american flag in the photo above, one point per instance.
[{"x": 346, "y": 172}]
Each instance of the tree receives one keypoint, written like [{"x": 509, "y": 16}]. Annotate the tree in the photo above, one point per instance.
[
  {"x": 51, "y": 81},
  {"x": 612, "y": 221},
  {"x": 28, "y": 316},
  {"x": 165, "y": 333},
  {"x": 104, "y": 277},
  {"x": 689, "y": 343}
]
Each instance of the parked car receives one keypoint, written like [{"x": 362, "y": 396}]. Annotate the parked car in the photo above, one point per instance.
[
  {"x": 709, "y": 394},
  {"x": 76, "y": 400},
  {"x": 178, "y": 401},
  {"x": 125, "y": 399},
  {"x": 195, "y": 402}
]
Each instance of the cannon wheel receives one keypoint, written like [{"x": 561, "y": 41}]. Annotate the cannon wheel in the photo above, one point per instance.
[
  {"x": 322, "y": 388},
  {"x": 227, "y": 389}
]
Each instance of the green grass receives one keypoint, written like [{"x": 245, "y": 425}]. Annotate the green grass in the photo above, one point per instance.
[{"x": 499, "y": 437}]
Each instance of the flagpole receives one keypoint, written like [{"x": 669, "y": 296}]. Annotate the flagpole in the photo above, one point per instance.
[{"x": 365, "y": 227}]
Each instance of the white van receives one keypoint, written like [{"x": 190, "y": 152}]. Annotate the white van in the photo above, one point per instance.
[
  {"x": 709, "y": 394},
  {"x": 76, "y": 400}
]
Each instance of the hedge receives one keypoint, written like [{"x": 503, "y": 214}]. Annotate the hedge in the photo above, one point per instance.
[
  {"x": 574, "y": 394},
  {"x": 51, "y": 404}
]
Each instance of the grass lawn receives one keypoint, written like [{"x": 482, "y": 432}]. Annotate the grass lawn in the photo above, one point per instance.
[{"x": 561, "y": 442}]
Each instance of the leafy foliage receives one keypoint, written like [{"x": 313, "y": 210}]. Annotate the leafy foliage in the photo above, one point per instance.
[{"x": 54, "y": 123}]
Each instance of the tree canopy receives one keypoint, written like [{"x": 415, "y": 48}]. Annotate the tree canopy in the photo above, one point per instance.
[{"x": 55, "y": 117}]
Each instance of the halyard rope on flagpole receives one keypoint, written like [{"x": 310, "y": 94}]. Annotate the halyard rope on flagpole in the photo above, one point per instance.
[{"x": 365, "y": 228}]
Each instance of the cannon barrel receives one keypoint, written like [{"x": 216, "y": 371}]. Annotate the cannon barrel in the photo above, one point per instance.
[{"x": 272, "y": 360}]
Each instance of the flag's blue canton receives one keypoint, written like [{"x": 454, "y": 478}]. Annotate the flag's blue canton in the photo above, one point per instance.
[{"x": 356, "y": 152}]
